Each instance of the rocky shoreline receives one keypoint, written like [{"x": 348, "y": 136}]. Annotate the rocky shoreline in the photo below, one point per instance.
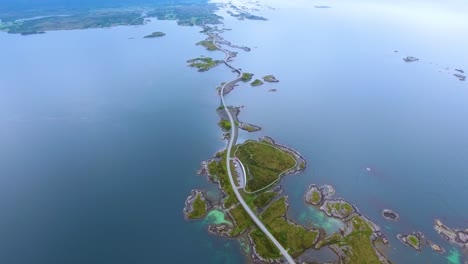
[
  {"x": 189, "y": 204},
  {"x": 301, "y": 162},
  {"x": 454, "y": 236}
]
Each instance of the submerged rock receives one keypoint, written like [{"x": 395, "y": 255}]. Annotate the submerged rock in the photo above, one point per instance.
[
  {"x": 460, "y": 70},
  {"x": 435, "y": 247},
  {"x": 410, "y": 59},
  {"x": 461, "y": 77}
]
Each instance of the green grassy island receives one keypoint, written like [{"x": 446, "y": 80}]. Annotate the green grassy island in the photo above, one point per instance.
[
  {"x": 199, "y": 208},
  {"x": 247, "y": 77},
  {"x": 155, "y": 35},
  {"x": 208, "y": 45},
  {"x": 257, "y": 82},
  {"x": 203, "y": 63},
  {"x": 264, "y": 163}
]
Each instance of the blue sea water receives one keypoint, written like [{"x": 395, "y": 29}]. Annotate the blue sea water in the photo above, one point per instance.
[
  {"x": 101, "y": 131},
  {"x": 96, "y": 158}
]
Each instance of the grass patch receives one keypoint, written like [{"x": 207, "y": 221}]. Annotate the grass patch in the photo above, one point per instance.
[
  {"x": 257, "y": 82},
  {"x": 343, "y": 208},
  {"x": 263, "y": 199},
  {"x": 293, "y": 237},
  {"x": 264, "y": 246},
  {"x": 208, "y": 45},
  {"x": 263, "y": 162},
  {"x": 242, "y": 220},
  {"x": 247, "y": 77},
  {"x": 413, "y": 240},
  {"x": 315, "y": 197},
  {"x": 225, "y": 125},
  {"x": 199, "y": 208},
  {"x": 218, "y": 168}
]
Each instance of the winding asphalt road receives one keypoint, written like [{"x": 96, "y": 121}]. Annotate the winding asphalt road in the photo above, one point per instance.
[{"x": 231, "y": 142}]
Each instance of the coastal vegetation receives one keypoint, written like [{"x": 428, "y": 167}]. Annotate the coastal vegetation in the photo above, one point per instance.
[
  {"x": 208, "y": 45},
  {"x": 155, "y": 35},
  {"x": 264, "y": 163},
  {"x": 218, "y": 171},
  {"x": 316, "y": 197},
  {"x": 257, "y": 82},
  {"x": 263, "y": 245},
  {"x": 242, "y": 220},
  {"x": 203, "y": 63},
  {"x": 225, "y": 125},
  {"x": 199, "y": 208},
  {"x": 263, "y": 199},
  {"x": 294, "y": 237},
  {"x": 246, "y": 77},
  {"x": 356, "y": 246}
]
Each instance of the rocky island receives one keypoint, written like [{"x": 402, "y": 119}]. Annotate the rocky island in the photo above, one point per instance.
[
  {"x": 390, "y": 215},
  {"x": 155, "y": 35},
  {"x": 413, "y": 240},
  {"x": 196, "y": 205},
  {"x": 257, "y": 82},
  {"x": 454, "y": 236},
  {"x": 270, "y": 78},
  {"x": 247, "y": 77}
]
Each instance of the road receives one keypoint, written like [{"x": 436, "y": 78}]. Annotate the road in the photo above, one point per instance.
[{"x": 231, "y": 142}]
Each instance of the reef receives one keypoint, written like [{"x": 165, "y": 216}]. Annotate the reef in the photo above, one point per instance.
[{"x": 454, "y": 236}]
